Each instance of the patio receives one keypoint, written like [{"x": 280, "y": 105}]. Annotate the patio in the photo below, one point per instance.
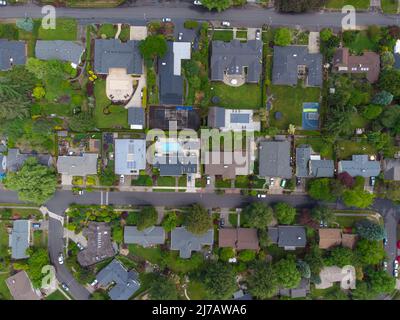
[{"x": 119, "y": 85}]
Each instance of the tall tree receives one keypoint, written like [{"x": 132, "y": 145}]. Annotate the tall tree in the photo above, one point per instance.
[
  {"x": 220, "y": 280},
  {"x": 285, "y": 213},
  {"x": 319, "y": 189},
  {"x": 147, "y": 217},
  {"x": 358, "y": 198},
  {"x": 370, "y": 230},
  {"x": 340, "y": 256},
  {"x": 258, "y": 215},
  {"x": 288, "y": 276},
  {"x": 37, "y": 260},
  {"x": 381, "y": 282},
  {"x": 263, "y": 282},
  {"x": 197, "y": 220},
  {"x": 163, "y": 288},
  {"x": 323, "y": 213},
  {"x": 153, "y": 46},
  {"x": 370, "y": 252},
  {"x": 389, "y": 80}
]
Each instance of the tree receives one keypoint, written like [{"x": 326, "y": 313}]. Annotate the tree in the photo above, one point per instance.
[
  {"x": 389, "y": 80},
  {"x": 153, "y": 46},
  {"x": 370, "y": 252},
  {"x": 381, "y": 282},
  {"x": 314, "y": 259},
  {"x": 263, "y": 282},
  {"x": 37, "y": 260},
  {"x": 304, "y": 269},
  {"x": 34, "y": 182},
  {"x": 226, "y": 253},
  {"x": 220, "y": 280},
  {"x": 323, "y": 213},
  {"x": 358, "y": 198},
  {"x": 285, "y": 213},
  {"x": 197, "y": 220},
  {"x": 339, "y": 123},
  {"x": 258, "y": 215},
  {"x": 319, "y": 189},
  {"x": 218, "y": 5},
  {"x": 147, "y": 217},
  {"x": 162, "y": 288},
  {"x": 263, "y": 238},
  {"x": 38, "y": 92},
  {"x": 169, "y": 222},
  {"x": 382, "y": 98},
  {"x": 82, "y": 122},
  {"x": 372, "y": 111},
  {"x": 346, "y": 179},
  {"x": 340, "y": 256},
  {"x": 288, "y": 276},
  {"x": 282, "y": 37},
  {"x": 325, "y": 34},
  {"x": 390, "y": 118},
  {"x": 362, "y": 291},
  {"x": 14, "y": 108},
  {"x": 247, "y": 255},
  {"x": 370, "y": 230},
  {"x": 387, "y": 60}
]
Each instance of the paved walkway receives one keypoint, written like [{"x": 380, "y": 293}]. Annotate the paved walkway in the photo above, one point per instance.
[{"x": 75, "y": 237}]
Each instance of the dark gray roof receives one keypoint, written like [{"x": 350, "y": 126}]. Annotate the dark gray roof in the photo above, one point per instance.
[
  {"x": 19, "y": 239},
  {"x": 305, "y": 167},
  {"x": 3, "y": 163},
  {"x": 136, "y": 116},
  {"x": 303, "y": 154},
  {"x": 147, "y": 237},
  {"x": 288, "y": 236},
  {"x": 15, "y": 159},
  {"x": 300, "y": 291},
  {"x": 274, "y": 159},
  {"x": 171, "y": 86},
  {"x": 216, "y": 117},
  {"x": 231, "y": 57},
  {"x": 287, "y": 59},
  {"x": 391, "y": 169},
  {"x": 116, "y": 54},
  {"x": 59, "y": 50},
  {"x": 174, "y": 167},
  {"x": 12, "y": 53},
  {"x": 83, "y": 165},
  {"x": 126, "y": 283},
  {"x": 360, "y": 165},
  {"x": 322, "y": 168},
  {"x": 240, "y": 118},
  {"x": 186, "y": 242}
]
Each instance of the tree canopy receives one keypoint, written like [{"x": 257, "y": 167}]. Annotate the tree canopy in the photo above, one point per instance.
[
  {"x": 220, "y": 280},
  {"x": 323, "y": 213},
  {"x": 197, "y": 220},
  {"x": 287, "y": 274},
  {"x": 340, "y": 256},
  {"x": 263, "y": 282},
  {"x": 37, "y": 260},
  {"x": 370, "y": 252},
  {"x": 163, "y": 288},
  {"x": 358, "y": 198},
  {"x": 282, "y": 37},
  {"x": 370, "y": 230},
  {"x": 285, "y": 213},
  {"x": 258, "y": 215},
  {"x": 319, "y": 189},
  {"x": 153, "y": 46},
  {"x": 147, "y": 217},
  {"x": 218, "y": 5}
]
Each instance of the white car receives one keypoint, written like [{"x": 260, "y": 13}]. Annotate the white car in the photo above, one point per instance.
[
  {"x": 121, "y": 179},
  {"x": 3, "y": 2},
  {"x": 261, "y": 195},
  {"x": 258, "y": 34},
  {"x": 197, "y": 3},
  {"x": 271, "y": 182},
  {"x": 180, "y": 36},
  {"x": 80, "y": 246},
  {"x": 208, "y": 180},
  {"x": 60, "y": 258},
  {"x": 80, "y": 192},
  {"x": 396, "y": 265},
  {"x": 225, "y": 24},
  {"x": 94, "y": 283},
  {"x": 385, "y": 265},
  {"x": 64, "y": 286},
  {"x": 396, "y": 273},
  {"x": 166, "y": 20}
]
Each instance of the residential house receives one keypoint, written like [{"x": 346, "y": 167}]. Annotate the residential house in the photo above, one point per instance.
[
  {"x": 360, "y": 165},
  {"x": 14, "y": 159},
  {"x": 310, "y": 165},
  {"x": 332, "y": 237},
  {"x": 174, "y": 118},
  {"x": 21, "y": 288},
  {"x": 226, "y": 164},
  {"x": 12, "y": 53},
  {"x": 170, "y": 72},
  {"x": 130, "y": 156},
  {"x": 146, "y": 238},
  {"x": 391, "y": 169},
  {"x": 232, "y": 119},
  {"x": 99, "y": 245},
  {"x": 368, "y": 63},
  {"x": 294, "y": 63},
  {"x": 3, "y": 166},
  {"x": 300, "y": 291},
  {"x": 123, "y": 283},
  {"x": 19, "y": 239},
  {"x": 236, "y": 62},
  {"x": 136, "y": 118},
  {"x": 274, "y": 159},
  {"x": 82, "y": 166},
  {"x": 238, "y": 238},
  {"x": 186, "y": 242},
  {"x": 288, "y": 237},
  {"x": 69, "y": 51}
]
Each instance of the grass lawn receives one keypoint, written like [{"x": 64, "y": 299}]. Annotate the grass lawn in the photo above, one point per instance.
[
  {"x": 242, "y": 182},
  {"x": 4, "y": 292},
  {"x": 166, "y": 181},
  {"x": 93, "y": 3},
  {"x": 179, "y": 265},
  {"x": 348, "y": 221},
  {"x": 56, "y": 295},
  {"x": 223, "y": 35},
  {"x": 389, "y": 6},
  {"x": 220, "y": 183},
  {"x": 59, "y": 109},
  {"x": 66, "y": 29},
  {"x": 361, "y": 43},
  {"x": 233, "y": 219},
  {"x": 318, "y": 145},
  {"x": 182, "y": 181},
  {"x": 30, "y": 37},
  {"x": 358, "y": 121},
  {"x": 289, "y": 101},
  {"x": 346, "y": 148},
  {"x": 241, "y": 34},
  {"x": 197, "y": 291},
  {"x": 338, "y": 4},
  {"x": 154, "y": 255},
  {"x": 247, "y": 96},
  {"x": 142, "y": 180},
  {"x": 109, "y": 30}
]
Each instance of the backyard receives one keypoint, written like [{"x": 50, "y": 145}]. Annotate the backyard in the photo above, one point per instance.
[
  {"x": 346, "y": 148},
  {"x": 247, "y": 96},
  {"x": 318, "y": 145}
]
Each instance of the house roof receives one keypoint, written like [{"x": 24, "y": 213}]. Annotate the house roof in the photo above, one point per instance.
[
  {"x": 186, "y": 242},
  {"x": 396, "y": 52},
  {"x": 15, "y": 159},
  {"x": 166, "y": 117},
  {"x": 322, "y": 168},
  {"x": 274, "y": 159},
  {"x": 310, "y": 116},
  {"x": 112, "y": 53},
  {"x": 174, "y": 167},
  {"x": 238, "y": 238},
  {"x": 126, "y": 283},
  {"x": 12, "y": 53},
  {"x": 360, "y": 165},
  {"x": 288, "y": 236},
  {"x": 59, "y": 50},
  {"x": 349, "y": 240},
  {"x": 391, "y": 169},
  {"x": 226, "y": 164},
  {"x": 216, "y": 117},
  {"x": 286, "y": 61},
  {"x": 83, "y": 165},
  {"x": 19, "y": 239},
  {"x": 300, "y": 291},
  {"x": 231, "y": 57},
  {"x": 20, "y": 287},
  {"x": 329, "y": 237},
  {"x": 303, "y": 155},
  {"x": 182, "y": 51},
  {"x": 146, "y": 238},
  {"x": 136, "y": 117},
  {"x": 130, "y": 156}
]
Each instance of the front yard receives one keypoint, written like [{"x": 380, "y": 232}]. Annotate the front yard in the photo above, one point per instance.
[
  {"x": 339, "y": 4},
  {"x": 66, "y": 29},
  {"x": 247, "y": 96},
  {"x": 389, "y": 6},
  {"x": 223, "y": 35}
]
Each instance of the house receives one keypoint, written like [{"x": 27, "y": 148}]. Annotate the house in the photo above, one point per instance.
[
  {"x": 232, "y": 119},
  {"x": 14, "y": 159},
  {"x": 238, "y": 238},
  {"x": 186, "y": 242},
  {"x": 146, "y": 238},
  {"x": 294, "y": 63},
  {"x": 12, "y": 53},
  {"x": 130, "y": 156},
  {"x": 136, "y": 118},
  {"x": 236, "y": 62},
  {"x": 123, "y": 283},
  {"x": 21, "y": 288},
  {"x": 70, "y": 51},
  {"x": 174, "y": 118},
  {"x": 19, "y": 239},
  {"x": 368, "y": 63},
  {"x": 360, "y": 165},
  {"x": 274, "y": 159},
  {"x": 288, "y": 237},
  {"x": 310, "y": 116},
  {"x": 309, "y": 165},
  {"x": 83, "y": 165},
  {"x": 300, "y": 291},
  {"x": 391, "y": 169},
  {"x": 99, "y": 245},
  {"x": 114, "y": 54},
  {"x": 332, "y": 237},
  {"x": 226, "y": 164},
  {"x": 330, "y": 275},
  {"x": 170, "y": 72}
]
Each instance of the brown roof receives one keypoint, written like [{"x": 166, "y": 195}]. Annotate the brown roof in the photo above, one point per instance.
[
  {"x": 21, "y": 287},
  {"x": 240, "y": 238},
  {"x": 349, "y": 240},
  {"x": 223, "y": 164},
  {"x": 329, "y": 237},
  {"x": 94, "y": 145}
]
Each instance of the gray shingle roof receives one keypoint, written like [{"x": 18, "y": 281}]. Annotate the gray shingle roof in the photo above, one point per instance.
[
  {"x": 136, "y": 117},
  {"x": 288, "y": 236},
  {"x": 231, "y": 57},
  {"x": 59, "y": 50},
  {"x": 305, "y": 167},
  {"x": 391, "y": 169},
  {"x": 287, "y": 59},
  {"x": 174, "y": 167},
  {"x": 126, "y": 282},
  {"x": 130, "y": 156},
  {"x": 303, "y": 155},
  {"x": 146, "y": 238},
  {"x": 15, "y": 159},
  {"x": 19, "y": 239},
  {"x": 360, "y": 165},
  {"x": 186, "y": 242},
  {"x": 216, "y": 117},
  {"x": 116, "y": 54},
  {"x": 12, "y": 53},
  {"x": 322, "y": 168},
  {"x": 83, "y": 165},
  {"x": 274, "y": 159}
]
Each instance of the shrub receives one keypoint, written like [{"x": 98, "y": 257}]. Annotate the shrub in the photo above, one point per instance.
[{"x": 247, "y": 255}]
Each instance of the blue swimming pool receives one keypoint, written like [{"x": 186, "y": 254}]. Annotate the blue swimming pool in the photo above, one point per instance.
[{"x": 169, "y": 147}]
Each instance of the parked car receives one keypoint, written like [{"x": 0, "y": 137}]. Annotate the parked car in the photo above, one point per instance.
[
  {"x": 36, "y": 225},
  {"x": 225, "y": 24},
  {"x": 396, "y": 265},
  {"x": 197, "y": 3},
  {"x": 166, "y": 20},
  {"x": 283, "y": 183},
  {"x": 60, "y": 258},
  {"x": 261, "y": 195},
  {"x": 372, "y": 181},
  {"x": 208, "y": 179},
  {"x": 271, "y": 182},
  {"x": 64, "y": 286},
  {"x": 298, "y": 181},
  {"x": 221, "y": 223},
  {"x": 94, "y": 283},
  {"x": 385, "y": 265},
  {"x": 80, "y": 246},
  {"x": 258, "y": 34},
  {"x": 80, "y": 192},
  {"x": 180, "y": 36},
  {"x": 395, "y": 273},
  {"x": 385, "y": 241},
  {"x": 121, "y": 179},
  {"x": 3, "y": 3}
]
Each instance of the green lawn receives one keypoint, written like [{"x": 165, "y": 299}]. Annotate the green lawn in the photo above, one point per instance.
[
  {"x": 59, "y": 109},
  {"x": 247, "y": 96},
  {"x": 241, "y": 34},
  {"x": 233, "y": 219},
  {"x": 348, "y": 221},
  {"x": 4, "y": 292},
  {"x": 338, "y": 4},
  {"x": 154, "y": 255},
  {"x": 289, "y": 101},
  {"x": 389, "y": 6},
  {"x": 223, "y": 35},
  {"x": 318, "y": 145},
  {"x": 220, "y": 183},
  {"x": 166, "y": 181},
  {"x": 109, "y": 30},
  {"x": 182, "y": 181},
  {"x": 66, "y": 29},
  {"x": 346, "y": 148},
  {"x": 197, "y": 291},
  {"x": 358, "y": 121},
  {"x": 142, "y": 180},
  {"x": 56, "y": 295},
  {"x": 361, "y": 43},
  {"x": 242, "y": 182}
]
